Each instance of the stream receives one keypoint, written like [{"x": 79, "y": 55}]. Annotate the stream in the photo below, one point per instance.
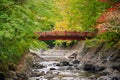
[{"x": 55, "y": 66}]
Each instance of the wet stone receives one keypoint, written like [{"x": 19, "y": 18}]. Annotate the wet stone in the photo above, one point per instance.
[
  {"x": 22, "y": 76},
  {"x": 104, "y": 73},
  {"x": 97, "y": 68},
  {"x": 38, "y": 74},
  {"x": 36, "y": 70},
  {"x": 115, "y": 78},
  {"x": 116, "y": 67},
  {"x": 89, "y": 67},
  {"x": 75, "y": 61},
  {"x": 69, "y": 68},
  {"x": 64, "y": 63},
  {"x": 103, "y": 78},
  {"x": 37, "y": 66},
  {"x": 58, "y": 64},
  {"x": 92, "y": 68},
  {"x": 52, "y": 69}
]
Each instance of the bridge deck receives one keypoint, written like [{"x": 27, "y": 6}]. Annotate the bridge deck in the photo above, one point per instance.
[{"x": 64, "y": 35}]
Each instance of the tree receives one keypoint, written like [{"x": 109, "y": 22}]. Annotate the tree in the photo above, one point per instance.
[{"x": 19, "y": 19}]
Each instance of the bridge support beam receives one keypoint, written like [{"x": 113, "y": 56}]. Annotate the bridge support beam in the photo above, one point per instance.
[{"x": 63, "y": 38}]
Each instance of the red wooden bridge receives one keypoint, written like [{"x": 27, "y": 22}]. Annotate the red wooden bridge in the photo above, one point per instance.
[{"x": 64, "y": 35}]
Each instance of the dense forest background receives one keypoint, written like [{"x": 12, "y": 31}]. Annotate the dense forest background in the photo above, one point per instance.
[{"x": 20, "y": 19}]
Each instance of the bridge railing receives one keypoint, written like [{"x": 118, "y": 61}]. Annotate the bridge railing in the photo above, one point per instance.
[{"x": 64, "y": 33}]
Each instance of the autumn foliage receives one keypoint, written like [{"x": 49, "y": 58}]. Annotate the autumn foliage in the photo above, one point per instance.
[{"x": 108, "y": 15}]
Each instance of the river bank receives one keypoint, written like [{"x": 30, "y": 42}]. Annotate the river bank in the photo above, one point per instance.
[{"x": 100, "y": 55}]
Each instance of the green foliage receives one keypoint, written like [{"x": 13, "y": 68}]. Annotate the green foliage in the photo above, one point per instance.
[
  {"x": 19, "y": 19},
  {"x": 111, "y": 37},
  {"x": 89, "y": 11},
  {"x": 92, "y": 43}
]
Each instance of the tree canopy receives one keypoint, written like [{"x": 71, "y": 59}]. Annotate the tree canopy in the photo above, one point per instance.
[{"x": 19, "y": 19}]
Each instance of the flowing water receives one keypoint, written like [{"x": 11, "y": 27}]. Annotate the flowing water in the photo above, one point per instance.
[{"x": 52, "y": 71}]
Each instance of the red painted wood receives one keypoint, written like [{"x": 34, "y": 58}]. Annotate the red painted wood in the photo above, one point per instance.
[
  {"x": 62, "y": 38},
  {"x": 64, "y": 35}
]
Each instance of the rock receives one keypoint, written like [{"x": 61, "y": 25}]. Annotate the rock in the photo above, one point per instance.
[
  {"x": 93, "y": 77},
  {"x": 22, "y": 76},
  {"x": 97, "y": 68},
  {"x": 103, "y": 78},
  {"x": 2, "y": 77},
  {"x": 75, "y": 61},
  {"x": 89, "y": 67},
  {"x": 64, "y": 63},
  {"x": 70, "y": 68},
  {"x": 77, "y": 68},
  {"x": 92, "y": 68},
  {"x": 80, "y": 67},
  {"x": 49, "y": 72},
  {"x": 36, "y": 70},
  {"x": 116, "y": 67},
  {"x": 74, "y": 55},
  {"x": 58, "y": 64},
  {"x": 115, "y": 78},
  {"x": 34, "y": 75},
  {"x": 37, "y": 74},
  {"x": 49, "y": 75},
  {"x": 107, "y": 71},
  {"x": 37, "y": 66},
  {"x": 52, "y": 69},
  {"x": 12, "y": 74},
  {"x": 104, "y": 73}
]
